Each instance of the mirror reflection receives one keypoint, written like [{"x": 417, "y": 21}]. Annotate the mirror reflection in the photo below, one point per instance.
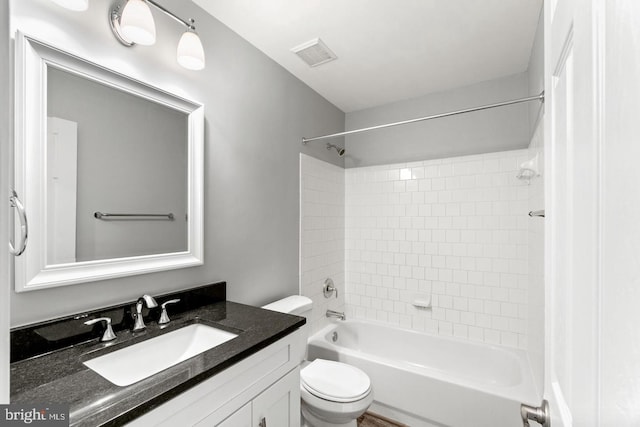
[{"x": 112, "y": 152}]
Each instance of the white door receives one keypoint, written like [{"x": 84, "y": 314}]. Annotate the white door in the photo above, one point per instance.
[
  {"x": 62, "y": 182},
  {"x": 279, "y": 405},
  {"x": 6, "y": 212},
  {"x": 572, "y": 201}
]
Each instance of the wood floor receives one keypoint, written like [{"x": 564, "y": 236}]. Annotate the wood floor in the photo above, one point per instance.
[{"x": 374, "y": 420}]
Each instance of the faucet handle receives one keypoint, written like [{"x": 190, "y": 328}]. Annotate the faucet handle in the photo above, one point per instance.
[
  {"x": 108, "y": 332},
  {"x": 164, "y": 317}
]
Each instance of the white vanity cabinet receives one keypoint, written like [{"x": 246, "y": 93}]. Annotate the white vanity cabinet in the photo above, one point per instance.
[
  {"x": 261, "y": 390},
  {"x": 240, "y": 418},
  {"x": 279, "y": 405}
]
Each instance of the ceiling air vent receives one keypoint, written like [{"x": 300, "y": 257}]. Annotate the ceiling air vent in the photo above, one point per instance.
[{"x": 314, "y": 52}]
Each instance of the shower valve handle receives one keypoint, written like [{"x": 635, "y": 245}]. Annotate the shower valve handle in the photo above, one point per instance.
[{"x": 329, "y": 288}]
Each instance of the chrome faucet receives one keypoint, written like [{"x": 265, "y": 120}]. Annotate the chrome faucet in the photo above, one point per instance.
[
  {"x": 337, "y": 314},
  {"x": 139, "y": 321}
]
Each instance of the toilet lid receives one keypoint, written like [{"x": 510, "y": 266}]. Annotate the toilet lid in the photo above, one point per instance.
[{"x": 335, "y": 381}]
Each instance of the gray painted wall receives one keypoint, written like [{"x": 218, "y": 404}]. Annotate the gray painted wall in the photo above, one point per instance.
[
  {"x": 5, "y": 168},
  {"x": 256, "y": 114},
  {"x": 498, "y": 129},
  {"x": 139, "y": 168},
  {"x": 535, "y": 73}
]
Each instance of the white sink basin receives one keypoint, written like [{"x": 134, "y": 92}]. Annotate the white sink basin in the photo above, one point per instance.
[{"x": 139, "y": 361}]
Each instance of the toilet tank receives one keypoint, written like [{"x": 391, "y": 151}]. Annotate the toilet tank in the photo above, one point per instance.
[
  {"x": 300, "y": 306},
  {"x": 294, "y": 304}
]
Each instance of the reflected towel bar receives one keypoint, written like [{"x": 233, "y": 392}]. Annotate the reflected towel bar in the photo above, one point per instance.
[{"x": 100, "y": 215}]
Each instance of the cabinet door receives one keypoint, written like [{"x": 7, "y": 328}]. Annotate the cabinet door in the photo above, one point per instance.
[
  {"x": 240, "y": 418},
  {"x": 279, "y": 405}
]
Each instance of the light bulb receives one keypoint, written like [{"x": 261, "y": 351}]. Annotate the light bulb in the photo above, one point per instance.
[
  {"x": 76, "y": 5},
  {"x": 190, "y": 51},
  {"x": 137, "y": 23}
]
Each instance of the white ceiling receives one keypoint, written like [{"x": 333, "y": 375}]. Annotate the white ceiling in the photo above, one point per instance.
[{"x": 388, "y": 50}]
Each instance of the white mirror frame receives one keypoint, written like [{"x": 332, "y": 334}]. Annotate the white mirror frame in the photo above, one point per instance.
[{"x": 32, "y": 59}]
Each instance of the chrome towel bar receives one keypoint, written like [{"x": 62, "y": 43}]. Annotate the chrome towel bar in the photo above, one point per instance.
[{"x": 100, "y": 215}]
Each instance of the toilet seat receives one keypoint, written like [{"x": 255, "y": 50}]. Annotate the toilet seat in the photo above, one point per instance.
[{"x": 335, "y": 381}]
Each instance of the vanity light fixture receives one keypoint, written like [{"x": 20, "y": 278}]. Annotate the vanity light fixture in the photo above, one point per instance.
[
  {"x": 133, "y": 24},
  {"x": 76, "y": 5},
  {"x": 137, "y": 24},
  {"x": 190, "y": 50}
]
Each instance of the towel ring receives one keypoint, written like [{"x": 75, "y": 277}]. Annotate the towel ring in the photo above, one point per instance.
[{"x": 24, "y": 228}]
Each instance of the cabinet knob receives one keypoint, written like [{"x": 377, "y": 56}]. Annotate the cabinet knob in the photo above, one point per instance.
[{"x": 263, "y": 422}]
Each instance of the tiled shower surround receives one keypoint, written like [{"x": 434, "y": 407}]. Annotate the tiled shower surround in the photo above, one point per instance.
[
  {"x": 322, "y": 237},
  {"x": 451, "y": 230}
]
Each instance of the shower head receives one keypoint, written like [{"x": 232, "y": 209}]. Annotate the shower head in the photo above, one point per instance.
[{"x": 340, "y": 150}]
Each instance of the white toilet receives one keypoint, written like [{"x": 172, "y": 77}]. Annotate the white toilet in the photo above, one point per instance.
[{"x": 333, "y": 393}]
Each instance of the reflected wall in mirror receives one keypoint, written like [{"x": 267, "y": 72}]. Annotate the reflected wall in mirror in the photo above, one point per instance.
[
  {"x": 89, "y": 142},
  {"x": 131, "y": 158}
]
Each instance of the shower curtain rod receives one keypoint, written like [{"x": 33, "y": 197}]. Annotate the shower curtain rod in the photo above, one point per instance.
[{"x": 436, "y": 116}]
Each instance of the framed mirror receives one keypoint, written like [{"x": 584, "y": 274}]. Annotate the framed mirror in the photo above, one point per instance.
[{"x": 109, "y": 169}]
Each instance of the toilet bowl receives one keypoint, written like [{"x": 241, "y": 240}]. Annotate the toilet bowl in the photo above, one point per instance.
[{"x": 333, "y": 394}]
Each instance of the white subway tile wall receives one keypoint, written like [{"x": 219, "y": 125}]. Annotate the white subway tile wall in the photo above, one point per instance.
[
  {"x": 322, "y": 235},
  {"x": 454, "y": 231}
]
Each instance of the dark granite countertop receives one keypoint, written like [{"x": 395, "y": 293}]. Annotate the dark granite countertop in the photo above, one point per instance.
[{"x": 61, "y": 377}]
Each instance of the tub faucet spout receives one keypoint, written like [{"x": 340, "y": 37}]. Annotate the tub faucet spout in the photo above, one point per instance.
[{"x": 337, "y": 314}]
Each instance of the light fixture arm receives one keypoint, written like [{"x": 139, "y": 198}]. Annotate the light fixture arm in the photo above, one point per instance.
[
  {"x": 114, "y": 21},
  {"x": 188, "y": 24}
]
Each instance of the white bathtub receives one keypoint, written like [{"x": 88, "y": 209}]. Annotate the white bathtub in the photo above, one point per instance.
[{"x": 426, "y": 380}]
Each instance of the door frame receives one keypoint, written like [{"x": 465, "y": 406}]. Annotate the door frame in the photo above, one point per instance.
[
  {"x": 574, "y": 33},
  {"x": 5, "y": 210}
]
